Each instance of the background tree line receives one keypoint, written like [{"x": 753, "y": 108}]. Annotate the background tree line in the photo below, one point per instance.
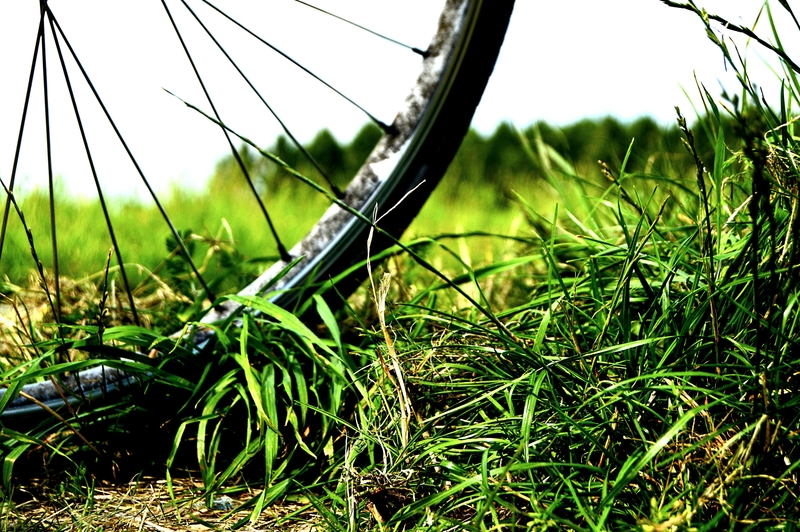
[{"x": 502, "y": 159}]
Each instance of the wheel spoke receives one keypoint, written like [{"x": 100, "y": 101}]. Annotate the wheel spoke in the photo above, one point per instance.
[
  {"x": 100, "y": 195},
  {"x": 284, "y": 254},
  {"x": 138, "y": 168},
  {"x": 336, "y": 190},
  {"x": 50, "y": 183},
  {"x": 10, "y": 200},
  {"x": 386, "y": 127},
  {"x": 18, "y": 146},
  {"x": 423, "y": 53}
]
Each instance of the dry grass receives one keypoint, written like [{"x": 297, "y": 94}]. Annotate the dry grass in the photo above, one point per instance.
[
  {"x": 146, "y": 504},
  {"x": 26, "y": 313}
]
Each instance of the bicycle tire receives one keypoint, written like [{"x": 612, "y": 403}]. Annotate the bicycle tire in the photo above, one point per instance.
[{"x": 418, "y": 148}]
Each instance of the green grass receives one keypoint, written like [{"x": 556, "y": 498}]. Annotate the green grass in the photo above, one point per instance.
[
  {"x": 215, "y": 216},
  {"x": 496, "y": 166},
  {"x": 624, "y": 357}
]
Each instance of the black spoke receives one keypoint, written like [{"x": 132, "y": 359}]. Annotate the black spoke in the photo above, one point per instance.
[
  {"x": 423, "y": 53},
  {"x": 284, "y": 254},
  {"x": 6, "y": 210},
  {"x": 54, "y": 305},
  {"x": 100, "y": 195},
  {"x": 380, "y": 123},
  {"x": 50, "y": 183},
  {"x": 128, "y": 151},
  {"x": 285, "y": 128}
]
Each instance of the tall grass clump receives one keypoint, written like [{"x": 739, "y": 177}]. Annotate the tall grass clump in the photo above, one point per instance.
[
  {"x": 645, "y": 373},
  {"x": 257, "y": 395}
]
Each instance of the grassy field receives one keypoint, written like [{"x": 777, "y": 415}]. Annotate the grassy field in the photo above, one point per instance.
[
  {"x": 498, "y": 166},
  {"x": 621, "y": 355}
]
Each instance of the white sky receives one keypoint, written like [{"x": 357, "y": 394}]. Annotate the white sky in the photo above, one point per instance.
[{"x": 562, "y": 60}]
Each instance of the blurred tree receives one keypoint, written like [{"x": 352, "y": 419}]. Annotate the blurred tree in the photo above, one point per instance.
[
  {"x": 500, "y": 158},
  {"x": 228, "y": 174},
  {"x": 329, "y": 155},
  {"x": 505, "y": 157},
  {"x": 360, "y": 147}
]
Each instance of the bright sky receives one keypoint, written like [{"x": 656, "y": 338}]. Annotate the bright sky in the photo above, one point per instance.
[{"x": 562, "y": 60}]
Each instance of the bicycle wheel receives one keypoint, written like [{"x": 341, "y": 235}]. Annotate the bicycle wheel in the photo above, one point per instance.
[{"x": 412, "y": 154}]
